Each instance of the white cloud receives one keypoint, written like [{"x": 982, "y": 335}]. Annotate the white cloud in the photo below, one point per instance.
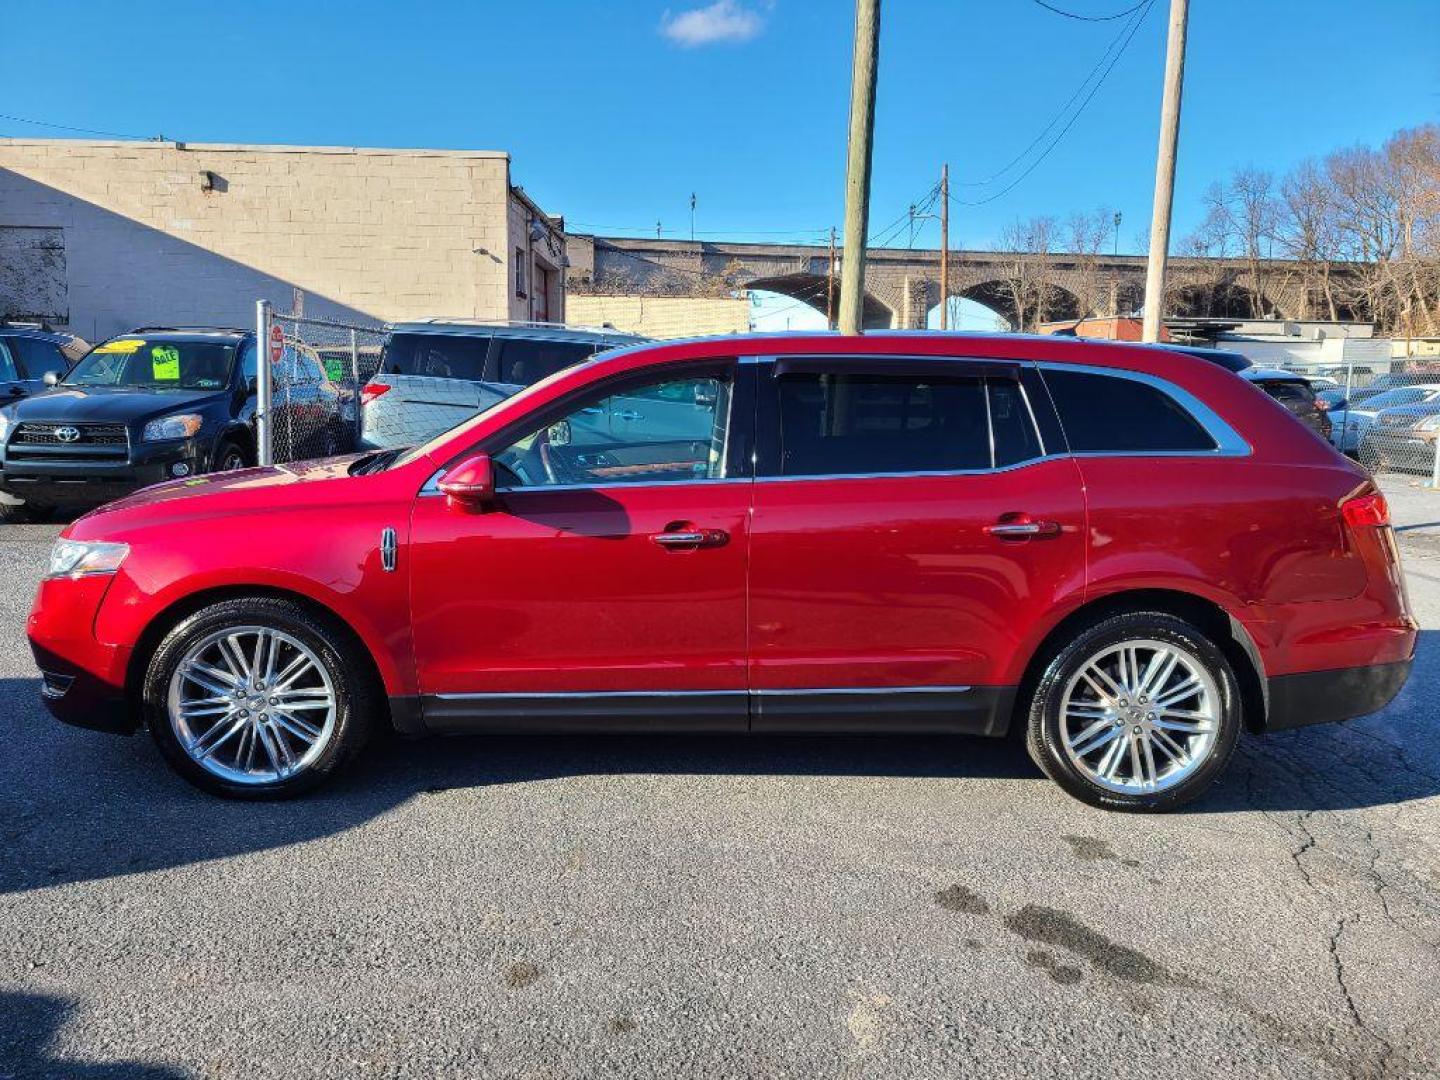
[{"x": 722, "y": 21}]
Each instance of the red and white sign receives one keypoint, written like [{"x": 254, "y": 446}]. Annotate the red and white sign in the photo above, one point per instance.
[{"x": 277, "y": 343}]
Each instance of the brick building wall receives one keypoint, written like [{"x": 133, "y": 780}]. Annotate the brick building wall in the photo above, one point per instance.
[
  {"x": 366, "y": 233},
  {"x": 661, "y": 316}
]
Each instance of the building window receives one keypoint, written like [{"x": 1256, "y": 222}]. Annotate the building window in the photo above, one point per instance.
[{"x": 520, "y": 272}]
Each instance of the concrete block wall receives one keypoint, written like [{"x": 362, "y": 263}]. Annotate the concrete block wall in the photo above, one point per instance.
[
  {"x": 365, "y": 233},
  {"x": 661, "y": 316}
]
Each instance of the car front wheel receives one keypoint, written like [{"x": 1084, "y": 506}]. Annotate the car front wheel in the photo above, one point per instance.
[
  {"x": 1139, "y": 712},
  {"x": 258, "y": 698}
]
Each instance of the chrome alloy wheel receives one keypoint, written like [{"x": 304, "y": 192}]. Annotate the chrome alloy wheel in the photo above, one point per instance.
[
  {"x": 252, "y": 705},
  {"x": 1140, "y": 717}
]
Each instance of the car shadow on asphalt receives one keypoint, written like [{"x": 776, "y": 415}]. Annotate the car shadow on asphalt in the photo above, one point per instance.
[
  {"x": 29, "y": 1024},
  {"x": 83, "y": 806}
]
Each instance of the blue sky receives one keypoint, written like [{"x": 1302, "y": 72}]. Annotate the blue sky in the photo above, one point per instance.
[{"x": 615, "y": 112}]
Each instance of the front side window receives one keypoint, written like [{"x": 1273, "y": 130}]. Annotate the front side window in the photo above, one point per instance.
[
  {"x": 857, "y": 424},
  {"x": 156, "y": 365},
  {"x": 1111, "y": 414},
  {"x": 35, "y": 357},
  {"x": 664, "y": 431},
  {"x": 7, "y": 364}
]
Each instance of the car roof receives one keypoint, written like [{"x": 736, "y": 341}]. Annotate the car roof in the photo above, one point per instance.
[
  {"x": 1229, "y": 360},
  {"x": 185, "y": 333},
  {"x": 1273, "y": 375},
  {"x": 457, "y": 327},
  {"x": 52, "y": 336}
]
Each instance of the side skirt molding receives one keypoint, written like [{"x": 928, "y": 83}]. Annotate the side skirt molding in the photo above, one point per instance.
[{"x": 969, "y": 710}]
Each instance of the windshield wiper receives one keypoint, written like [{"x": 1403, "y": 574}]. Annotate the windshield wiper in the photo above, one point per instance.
[{"x": 379, "y": 461}]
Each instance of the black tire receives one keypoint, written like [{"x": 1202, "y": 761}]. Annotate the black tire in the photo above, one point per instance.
[
  {"x": 1044, "y": 734},
  {"x": 228, "y": 457},
  {"x": 357, "y": 708}
]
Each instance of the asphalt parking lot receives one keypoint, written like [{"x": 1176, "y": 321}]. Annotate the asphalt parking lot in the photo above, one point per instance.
[{"x": 568, "y": 907}]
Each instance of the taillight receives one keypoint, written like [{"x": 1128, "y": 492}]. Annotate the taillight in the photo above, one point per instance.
[
  {"x": 370, "y": 391},
  {"x": 1366, "y": 511},
  {"x": 1322, "y": 404}
]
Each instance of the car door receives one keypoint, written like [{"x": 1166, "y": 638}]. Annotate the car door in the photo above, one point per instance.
[
  {"x": 910, "y": 525},
  {"x": 606, "y": 585}
]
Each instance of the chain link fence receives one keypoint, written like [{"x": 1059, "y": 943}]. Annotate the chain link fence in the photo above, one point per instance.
[
  {"x": 1384, "y": 415},
  {"x": 314, "y": 399}
]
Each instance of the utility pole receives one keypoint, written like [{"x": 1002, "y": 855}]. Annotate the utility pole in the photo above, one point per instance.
[
  {"x": 692, "y": 217},
  {"x": 1165, "y": 169},
  {"x": 830, "y": 285},
  {"x": 945, "y": 246},
  {"x": 857, "y": 165}
]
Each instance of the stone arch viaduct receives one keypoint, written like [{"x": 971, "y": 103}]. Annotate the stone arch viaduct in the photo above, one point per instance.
[{"x": 903, "y": 285}]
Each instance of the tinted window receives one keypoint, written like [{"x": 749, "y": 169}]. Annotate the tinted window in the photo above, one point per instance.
[
  {"x": 1293, "y": 395},
  {"x": 7, "y": 362},
  {"x": 524, "y": 361},
  {"x": 1109, "y": 414},
  {"x": 35, "y": 357},
  {"x": 1014, "y": 433},
  {"x": 437, "y": 355},
  {"x": 842, "y": 424},
  {"x": 248, "y": 367},
  {"x": 667, "y": 430}
]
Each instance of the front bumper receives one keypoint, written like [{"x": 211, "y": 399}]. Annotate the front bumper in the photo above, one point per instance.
[
  {"x": 82, "y": 678},
  {"x": 60, "y": 480},
  {"x": 1324, "y": 697}
]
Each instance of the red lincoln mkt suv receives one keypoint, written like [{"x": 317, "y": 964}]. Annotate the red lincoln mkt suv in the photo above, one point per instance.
[{"x": 1128, "y": 553}]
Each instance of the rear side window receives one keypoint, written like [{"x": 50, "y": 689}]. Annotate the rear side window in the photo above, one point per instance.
[
  {"x": 1110, "y": 414},
  {"x": 524, "y": 361},
  {"x": 440, "y": 356},
  {"x": 840, "y": 424}
]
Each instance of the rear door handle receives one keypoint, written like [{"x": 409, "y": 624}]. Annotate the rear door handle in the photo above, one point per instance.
[
  {"x": 628, "y": 414},
  {"x": 1023, "y": 530},
  {"x": 691, "y": 538}
]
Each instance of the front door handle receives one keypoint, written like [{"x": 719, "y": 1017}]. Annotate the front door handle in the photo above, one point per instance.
[
  {"x": 1023, "y": 530},
  {"x": 629, "y": 415},
  {"x": 691, "y": 538}
]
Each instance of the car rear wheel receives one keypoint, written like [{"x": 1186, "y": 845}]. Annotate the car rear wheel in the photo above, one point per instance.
[
  {"x": 1138, "y": 712},
  {"x": 258, "y": 698}
]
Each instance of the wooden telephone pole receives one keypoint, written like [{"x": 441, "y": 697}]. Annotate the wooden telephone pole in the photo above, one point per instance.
[
  {"x": 857, "y": 166},
  {"x": 945, "y": 246},
  {"x": 1165, "y": 170}
]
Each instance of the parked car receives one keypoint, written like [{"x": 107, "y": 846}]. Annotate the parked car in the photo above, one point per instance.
[
  {"x": 1230, "y": 361},
  {"x": 27, "y": 352},
  {"x": 1403, "y": 438},
  {"x": 152, "y": 405},
  {"x": 1352, "y": 421},
  {"x": 1295, "y": 393},
  {"x": 436, "y": 374},
  {"x": 1322, "y": 382},
  {"x": 314, "y": 416},
  {"x": 1114, "y": 548}
]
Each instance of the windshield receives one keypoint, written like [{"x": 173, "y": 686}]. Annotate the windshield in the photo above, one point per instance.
[{"x": 156, "y": 365}]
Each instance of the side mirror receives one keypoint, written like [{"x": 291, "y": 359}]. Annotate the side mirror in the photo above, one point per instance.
[
  {"x": 471, "y": 483},
  {"x": 51, "y": 378}
]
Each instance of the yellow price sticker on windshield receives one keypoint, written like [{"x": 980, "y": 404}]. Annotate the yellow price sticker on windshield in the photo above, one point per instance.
[
  {"x": 124, "y": 345},
  {"x": 165, "y": 363}
]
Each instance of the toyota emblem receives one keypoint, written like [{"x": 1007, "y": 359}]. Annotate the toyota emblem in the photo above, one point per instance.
[{"x": 67, "y": 434}]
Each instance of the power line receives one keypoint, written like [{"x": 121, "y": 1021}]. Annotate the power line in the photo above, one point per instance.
[
  {"x": 1061, "y": 112},
  {"x": 80, "y": 130},
  {"x": 1090, "y": 18},
  {"x": 1130, "y": 36}
]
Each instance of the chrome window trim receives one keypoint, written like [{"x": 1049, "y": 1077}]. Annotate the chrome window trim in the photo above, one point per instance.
[
  {"x": 1228, "y": 441},
  {"x": 903, "y": 475}
]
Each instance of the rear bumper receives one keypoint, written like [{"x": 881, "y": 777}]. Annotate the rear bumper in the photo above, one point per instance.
[{"x": 1324, "y": 697}]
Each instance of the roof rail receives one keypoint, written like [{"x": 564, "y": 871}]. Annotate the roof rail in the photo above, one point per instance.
[
  {"x": 469, "y": 320},
  {"x": 207, "y": 329},
  {"x": 26, "y": 324}
]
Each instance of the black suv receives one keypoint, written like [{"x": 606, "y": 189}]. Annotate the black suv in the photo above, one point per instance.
[{"x": 151, "y": 405}]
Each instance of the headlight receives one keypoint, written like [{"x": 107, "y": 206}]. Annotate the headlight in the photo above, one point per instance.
[
  {"x": 179, "y": 426},
  {"x": 79, "y": 558},
  {"x": 4, "y": 426}
]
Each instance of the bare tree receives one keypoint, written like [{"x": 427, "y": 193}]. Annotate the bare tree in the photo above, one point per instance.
[
  {"x": 1028, "y": 245},
  {"x": 1086, "y": 235}
]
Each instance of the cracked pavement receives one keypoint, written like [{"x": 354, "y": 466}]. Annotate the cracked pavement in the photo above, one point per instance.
[{"x": 625, "y": 906}]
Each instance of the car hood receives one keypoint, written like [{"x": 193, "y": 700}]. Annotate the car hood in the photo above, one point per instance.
[
  {"x": 263, "y": 487},
  {"x": 108, "y": 404}
]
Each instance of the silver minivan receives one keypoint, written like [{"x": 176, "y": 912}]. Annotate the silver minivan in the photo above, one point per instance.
[{"x": 437, "y": 373}]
